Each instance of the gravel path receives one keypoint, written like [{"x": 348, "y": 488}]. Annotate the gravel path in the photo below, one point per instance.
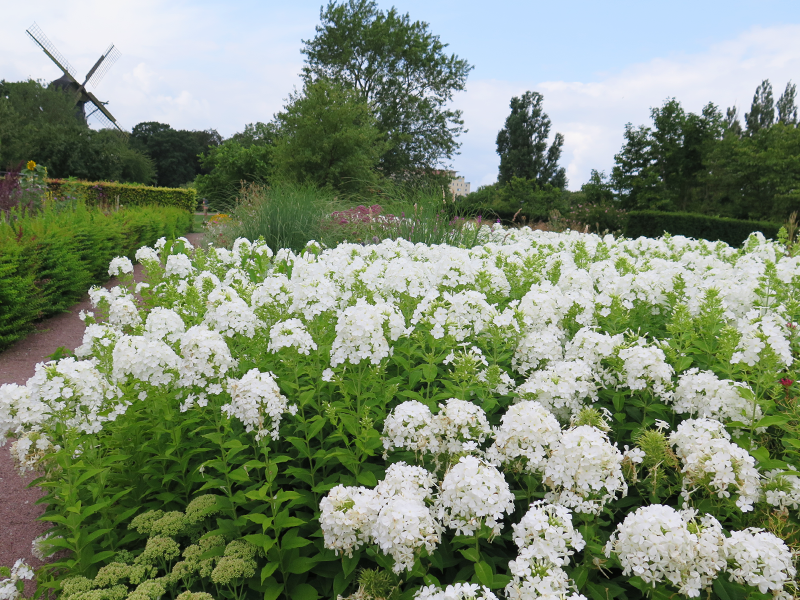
[{"x": 18, "y": 509}]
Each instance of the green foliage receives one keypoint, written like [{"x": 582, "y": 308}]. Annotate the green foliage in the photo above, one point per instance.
[
  {"x": 103, "y": 193},
  {"x": 244, "y": 158},
  {"x": 662, "y": 167},
  {"x": 651, "y": 223},
  {"x": 524, "y": 198},
  {"x": 522, "y": 144},
  {"x": 175, "y": 153},
  {"x": 39, "y": 123},
  {"x": 285, "y": 215},
  {"x": 328, "y": 137},
  {"x": 48, "y": 261},
  {"x": 400, "y": 69}
]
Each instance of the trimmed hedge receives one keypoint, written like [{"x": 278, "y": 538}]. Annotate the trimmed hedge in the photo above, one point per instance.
[
  {"x": 48, "y": 262},
  {"x": 653, "y": 223},
  {"x": 104, "y": 192}
]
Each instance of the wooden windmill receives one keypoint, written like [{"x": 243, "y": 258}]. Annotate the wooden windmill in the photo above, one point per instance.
[{"x": 69, "y": 82}]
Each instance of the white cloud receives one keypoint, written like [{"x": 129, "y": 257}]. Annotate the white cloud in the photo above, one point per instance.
[{"x": 592, "y": 115}]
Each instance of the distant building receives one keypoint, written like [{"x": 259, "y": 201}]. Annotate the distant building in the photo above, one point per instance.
[{"x": 458, "y": 187}]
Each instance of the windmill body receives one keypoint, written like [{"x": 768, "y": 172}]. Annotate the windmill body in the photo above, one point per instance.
[{"x": 70, "y": 84}]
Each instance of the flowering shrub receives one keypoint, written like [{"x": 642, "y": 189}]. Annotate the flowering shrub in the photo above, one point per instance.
[{"x": 539, "y": 415}]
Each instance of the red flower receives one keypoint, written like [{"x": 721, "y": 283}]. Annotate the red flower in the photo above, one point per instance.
[{"x": 786, "y": 382}]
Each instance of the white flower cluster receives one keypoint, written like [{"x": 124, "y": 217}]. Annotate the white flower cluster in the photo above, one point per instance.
[
  {"x": 473, "y": 493},
  {"x": 758, "y": 332},
  {"x": 702, "y": 394},
  {"x": 584, "y": 470},
  {"x": 395, "y": 516},
  {"x": 782, "y": 490},
  {"x": 360, "y": 332},
  {"x": 658, "y": 543},
  {"x": 547, "y": 530},
  {"x": 256, "y": 400},
  {"x": 646, "y": 367},
  {"x": 538, "y": 579},
  {"x": 760, "y": 559},
  {"x": 19, "y": 572},
  {"x": 712, "y": 461},
  {"x": 146, "y": 359},
  {"x": 291, "y": 333},
  {"x": 527, "y": 432},
  {"x": 563, "y": 387},
  {"x": 459, "y": 426},
  {"x": 458, "y": 591},
  {"x": 120, "y": 265}
]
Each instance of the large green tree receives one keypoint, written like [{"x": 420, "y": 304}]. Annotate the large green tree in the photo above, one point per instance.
[
  {"x": 328, "y": 136},
  {"x": 39, "y": 123},
  {"x": 522, "y": 144},
  {"x": 663, "y": 166},
  {"x": 175, "y": 152},
  {"x": 246, "y": 157},
  {"x": 401, "y": 70}
]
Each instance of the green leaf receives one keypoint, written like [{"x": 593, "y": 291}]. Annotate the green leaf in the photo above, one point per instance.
[
  {"x": 471, "y": 554},
  {"x": 268, "y": 570},
  {"x": 260, "y": 541},
  {"x": 429, "y": 372},
  {"x": 284, "y": 521},
  {"x": 273, "y": 588},
  {"x": 349, "y": 564},
  {"x": 304, "y": 591},
  {"x": 500, "y": 581},
  {"x": 484, "y": 573},
  {"x": 367, "y": 478},
  {"x": 301, "y": 564},
  {"x": 771, "y": 420},
  {"x": 290, "y": 540},
  {"x": 100, "y": 556}
]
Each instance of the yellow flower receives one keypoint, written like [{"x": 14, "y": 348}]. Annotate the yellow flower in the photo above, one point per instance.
[{"x": 31, "y": 165}]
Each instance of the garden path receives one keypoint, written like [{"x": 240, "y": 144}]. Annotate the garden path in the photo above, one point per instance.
[{"x": 18, "y": 508}]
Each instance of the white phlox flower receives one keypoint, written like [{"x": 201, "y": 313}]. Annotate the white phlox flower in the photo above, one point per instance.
[
  {"x": 229, "y": 314},
  {"x": 537, "y": 347},
  {"x": 547, "y": 529},
  {"x": 473, "y": 493},
  {"x": 146, "y": 359},
  {"x": 346, "y": 518},
  {"x": 539, "y": 579},
  {"x": 563, "y": 387},
  {"x": 76, "y": 394},
  {"x": 458, "y": 591},
  {"x": 402, "y": 479},
  {"x": 97, "y": 334},
  {"x": 145, "y": 255},
  {"x": 179, "y": 265},
  {"x": 257, "y": 402},
  {"x": 759, "y": 332},
  {"x": 527, "y": 431},
  {"x": 759, "y": 558},
  {"x": 461, "y": 425},
  {"x": 403, "y": 526},
  {"x": 410, "y": 425},
  {"x": 782, "y": 490},
  {"x": 164, "y": 324},
  {"x": 204, "y": 355},
  {"x": 120, "y": 304},
  {"x": 646, "y": 367},
  {"x": 658, "y": 543},
  {"x": 362, "y": 331},
  {"x": 711, "y": 460},
  {"x": 17, "y": 408},
  {"x": 30, "y": 448},
  {"x": 19, "y": 572},
  {"x": 584, "y": 470},
  {"x": 702, "y": 394},
  {"x": 120, "y": 265},
  {"x": 291, "y": 333}
]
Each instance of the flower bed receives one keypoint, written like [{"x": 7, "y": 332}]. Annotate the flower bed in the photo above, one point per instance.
[{"x": 543, "y": 415}]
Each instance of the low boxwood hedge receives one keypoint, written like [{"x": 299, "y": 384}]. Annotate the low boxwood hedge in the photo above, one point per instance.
[
  {"x": 653, "y": 223},
  {"x": 126, "y": 194},
  {"x": 47, "y": 262}
]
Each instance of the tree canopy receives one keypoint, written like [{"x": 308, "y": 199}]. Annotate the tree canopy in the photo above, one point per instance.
[
  {"x": 401, "y": 70},
  {"x": 328, "y": 136},
  {"x": 175, "y": 153},
  {"x": 38, "y": 123},
  {"x": 522, "y": 144}
]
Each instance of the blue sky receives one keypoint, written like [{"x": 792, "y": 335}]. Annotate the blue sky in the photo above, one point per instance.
[{"x": 199, "y": 65}]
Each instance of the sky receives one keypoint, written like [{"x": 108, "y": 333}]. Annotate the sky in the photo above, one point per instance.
[{"x": 599, "y": 65}]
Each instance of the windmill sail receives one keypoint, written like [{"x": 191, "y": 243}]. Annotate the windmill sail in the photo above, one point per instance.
[{"x": 70, "y": 84}]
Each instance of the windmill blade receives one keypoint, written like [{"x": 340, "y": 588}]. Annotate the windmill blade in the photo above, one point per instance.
[
  {"x": 103, "y": 115},
  {"x": 38, "y": 36},
  {"x": 102, "y": 66}
]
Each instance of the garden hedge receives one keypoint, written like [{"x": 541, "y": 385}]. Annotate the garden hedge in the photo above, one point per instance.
[
  {"x": 653, "y": 223},
  {"x": 104, "y": 192},
  {"x": 48, "y": 262}
]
